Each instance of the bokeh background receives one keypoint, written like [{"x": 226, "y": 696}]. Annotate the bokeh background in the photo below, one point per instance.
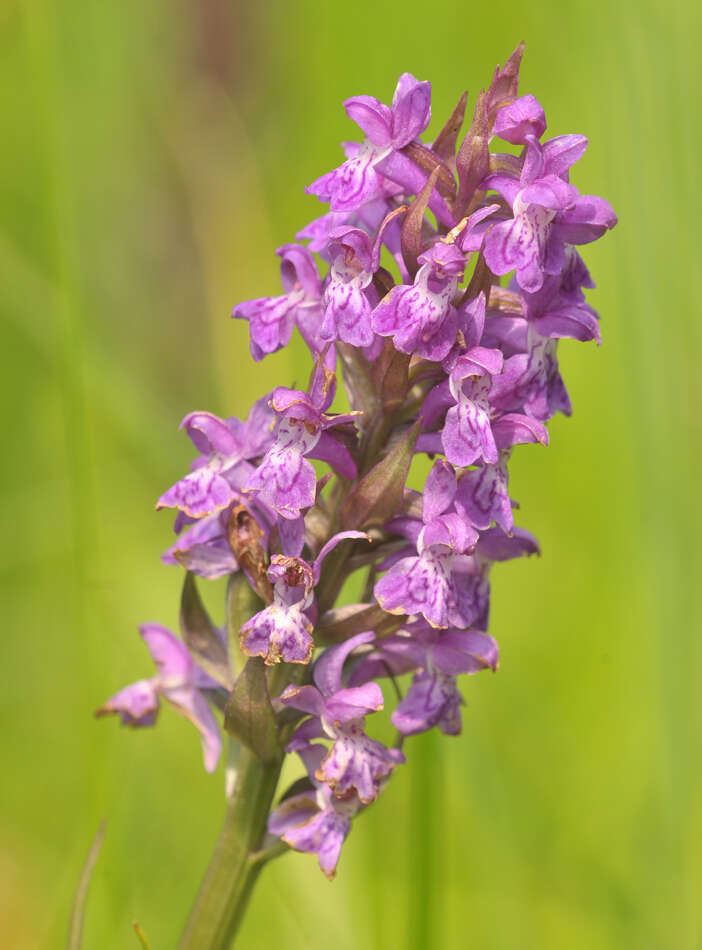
[{"x": 153, "y": 156}]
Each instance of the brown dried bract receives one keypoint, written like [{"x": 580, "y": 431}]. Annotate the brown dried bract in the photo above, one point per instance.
[{"x": 245, "y": 537}]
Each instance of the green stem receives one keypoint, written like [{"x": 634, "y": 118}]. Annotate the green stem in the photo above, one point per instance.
[
  {"x": 374, "y": 439},
  {"x": 236, "y": 861}
]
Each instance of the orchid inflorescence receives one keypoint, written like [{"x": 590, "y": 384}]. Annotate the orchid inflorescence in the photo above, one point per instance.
[{"x": 438, "y": 358}]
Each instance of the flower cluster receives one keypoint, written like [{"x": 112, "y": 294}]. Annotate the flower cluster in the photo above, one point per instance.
[{"x": 439, "y": 358}]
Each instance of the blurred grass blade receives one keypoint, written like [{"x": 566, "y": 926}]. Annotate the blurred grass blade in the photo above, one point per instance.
[
  {"x": 424, "y": 891},
  {"x": 141, "y": 935},
  {"x": 75, "y": 926}
]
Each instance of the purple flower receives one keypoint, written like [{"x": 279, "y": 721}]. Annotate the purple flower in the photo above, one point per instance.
[
  {"x": 285, "y": 480},
  {"x": 207, "y": 488},
  {"x": 180, "y": 681},
  {"x": 432, "y": 700},
  {"x": 439, "y": 657},
  {"x": 271, "y": 319},
  {"x": 226, "y": 447},
  {"x": 203, "y": 548},
  {"x": 574, "y": 276},
  {"x": 483, "y": 496},
  {"x": 520, "y": 119},
  {"x": 369, "y": 218},
  {"x": 255, "y": 433},
  {"x": 471, "y": 323},
  {"x": 387, "y": 129},
  {"x": 318, "y": 230},
  {"x": 494, "y": 545},
  {"x": 283, "y": 630},
  {"x": 354, "y": 761},
  {"x": 531, "y": 382},
  {"x": 439, "y": 491},
  {"x": 467, "y": 434},
  {"x": 471, "y": 231},
  {"x": 437, "y": 357},
  {"x": 421, "y": 319},
  {"x": 347, "y": 308},
  {"x": 548, "y": 212},
  {"x": 431, "y": 582},
  {"x": 315, "y": 821},
  {"x": 560, "y": 312}
]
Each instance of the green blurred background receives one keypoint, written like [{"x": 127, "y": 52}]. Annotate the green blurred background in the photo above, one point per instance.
[{"x": 153, "y": 156}]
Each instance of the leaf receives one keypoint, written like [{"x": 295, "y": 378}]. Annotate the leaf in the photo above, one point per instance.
[
  {"x": 473, "y": 159},
  {"x": 357, "y": 380},
  {"x": 201, "y": 636},
  {"x": 389, "y": 374},
  {"x": 428, "y": 160},
  {"x": 248, "y": 714},
  {"x": 480, "y": 282},
  {"x": 242, "y": 604},
  {"x": 505, "y": 84},
  {"x": 383, "y": 282},
  {"x": 338, "y": 625},
  {"x": 380, "y": 493},
  {"x": 299, "y": 786},
  {"x": 375, "y": 554},
  {"x": 411, "y": 234},
  {"x": 503, "y": 164},
  {"x": 445, "y": 144},
  {"x": 75, "y": 926}
]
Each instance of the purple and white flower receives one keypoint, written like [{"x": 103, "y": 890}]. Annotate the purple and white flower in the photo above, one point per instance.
[
  {"x": 346, "y": 305},
  {"x": 438, "y": 657},
  {"x": 285, "y": 480},
  {"x": 282, "y": 631},
  {"x": 272, "y": 319},
  {"x": 431, "y": 583},
  {"x": 532, "y": 382},
  {"x": 180, "y": 681},
  {"x": 457, "y": 367},
  {"x": 315, "y": 821},
  {"x": 467, "y": 434},
  {"x": 226, "y": 448},
  {"x": 354, "y": 761},
  {"x": 421, "y": 319},
  {"x": 387, "y": 129},
  {"x": 548, "y": 212}
]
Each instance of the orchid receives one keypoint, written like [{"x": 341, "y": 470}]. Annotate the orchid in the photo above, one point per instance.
[
  {"x": 549, "y": 212},
  {"x": 436, "y": 657},
  {"x": 354, "y": 761},
  {"x": 180, "y": 681},
  {"x": 315, "y": 821},
  {"x": 272, "y": 319},
  {"x": 285, "y": 479},
  {"x": 387, "y": 129},
  {"x": 437, "y": 358},
  {"x": 347, "y": 308}
]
